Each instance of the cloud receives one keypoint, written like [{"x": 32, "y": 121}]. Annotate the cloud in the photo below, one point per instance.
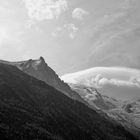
[
  {"x": 72, "y": 30},
  {"x": 107, "y": 20},
  {"x": 45, "y": 9},
  {"x": 69, "y": 29},
  {"x": 102, "y": 77},
  {"x": 99, "y": 81},
  {"x": 57, "y": 31},
  {"x": 79, "y": 13}
]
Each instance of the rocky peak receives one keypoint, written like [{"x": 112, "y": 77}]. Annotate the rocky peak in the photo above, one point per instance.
[
  {"x": 42, "y": 59},
  {"x": 39, "y": 69}
]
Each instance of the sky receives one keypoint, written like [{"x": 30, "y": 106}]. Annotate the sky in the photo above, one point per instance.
[{"x": 71, "y": 35}]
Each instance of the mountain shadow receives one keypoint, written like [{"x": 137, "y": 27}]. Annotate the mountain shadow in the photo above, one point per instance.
[{"x": 31, "y": 109}]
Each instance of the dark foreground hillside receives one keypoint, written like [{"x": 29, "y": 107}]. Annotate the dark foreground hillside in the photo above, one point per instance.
[{"x": 31, "y": 109}]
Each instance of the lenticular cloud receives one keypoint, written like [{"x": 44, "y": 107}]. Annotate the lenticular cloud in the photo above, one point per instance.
[
  {"x": 100, "y": 81},
  {"x": 45, "y": 9},
  {"x": 101, "y": 76}
]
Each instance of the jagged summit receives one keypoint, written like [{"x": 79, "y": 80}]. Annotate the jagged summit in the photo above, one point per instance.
[
  {"x": 39, "y": 69},
  {"x": 32, "y": 63},
  {"x": 17, "y": 63},
  {"x": 42, "y": 59}
]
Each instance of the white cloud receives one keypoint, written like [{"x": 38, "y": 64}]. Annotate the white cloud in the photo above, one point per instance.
[
  {"x": 69, "y": 29},
  {"x": 79, "y": 13},
  {"x": 72, "y": 30},
  {"x": 98, "y": 77},
  {"x": 108, "y": 19},
  {"x": 99, "y": 81},
  {"x": 45, "y": 9}
]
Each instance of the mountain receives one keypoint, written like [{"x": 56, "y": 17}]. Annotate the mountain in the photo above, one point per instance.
[
  {"x": 128, "y": 115},
  {"x": 31, "y": 109},
  {"x": 132, "y": 110},
  {"x": 40, "y": 70},
  {"x": 112, "y": 90},
  {"x": 117, "y": 82},
  {"x": 94, "y": 98}
]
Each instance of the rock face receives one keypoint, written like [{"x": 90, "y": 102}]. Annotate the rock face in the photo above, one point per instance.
[
  {"x": 40, "y": 70},
  {"x": 131, "y": 110},
  {"x": 94, "y": 98},
  {"x": 127, "y": 113},
  {"x": 31, "y": 109}
]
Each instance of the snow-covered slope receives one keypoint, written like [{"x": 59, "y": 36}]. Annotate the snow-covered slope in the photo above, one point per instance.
[{"x": 95, "y": 99}]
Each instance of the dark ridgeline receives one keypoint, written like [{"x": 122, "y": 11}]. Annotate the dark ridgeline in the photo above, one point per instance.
[
  {"x": 39, "y": 69},
  {"x": 31, "y": 109}
]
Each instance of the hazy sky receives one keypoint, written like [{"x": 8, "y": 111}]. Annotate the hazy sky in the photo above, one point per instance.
[{"x": 71, "y": 34}]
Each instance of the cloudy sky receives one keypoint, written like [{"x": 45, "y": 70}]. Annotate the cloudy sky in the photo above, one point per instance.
[
  {"x": 117, "y": 82},
  {"x": 71, "y": 34}
]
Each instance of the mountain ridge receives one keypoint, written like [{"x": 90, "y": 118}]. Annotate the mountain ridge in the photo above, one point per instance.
[
  {"x": 39, "y": 69},
  {"x": 29, "y": 109}
]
